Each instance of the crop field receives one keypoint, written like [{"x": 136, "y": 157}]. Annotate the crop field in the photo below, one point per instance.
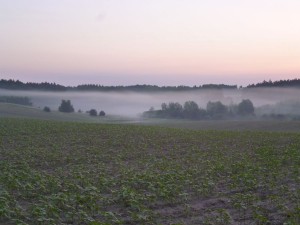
[
  {"x": 228, "y": 125},
  {"x": 99, "y": 174}
]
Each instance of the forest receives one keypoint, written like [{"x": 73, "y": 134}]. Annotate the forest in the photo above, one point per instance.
[
  {"x": 295, "y": 83},
  {"x": 46, "y": 86}
]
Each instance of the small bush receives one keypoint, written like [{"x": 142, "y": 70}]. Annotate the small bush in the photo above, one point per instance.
[
  {"x": 102, "y": 113},
  {"x": 93, "y": 112},
  {"x": 46, "y": 109}
]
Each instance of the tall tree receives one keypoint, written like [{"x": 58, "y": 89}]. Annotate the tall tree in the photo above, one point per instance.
[
  {"x": 66, "y": 106},
  {"x": 246, "y": 108},
  {"x": 216, "y": 109},
  {"x": 191, "y": 110}
]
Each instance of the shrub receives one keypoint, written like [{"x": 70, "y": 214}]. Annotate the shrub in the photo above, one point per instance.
[
  {"x": 102, "y": 113},
  {"x": 93, "y": 112},
  {"x": 46, "y": 109}
]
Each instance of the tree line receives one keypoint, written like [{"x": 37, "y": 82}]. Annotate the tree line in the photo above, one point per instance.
[
  {"x": 67, "y": 107},
  {"x": 18, "y": 85},
  {"x": 16, "y": 100},
  {"x": 45, "y": 86},
  {"x": 280, "y": 84},
  {"x": 191, "y": 110}
]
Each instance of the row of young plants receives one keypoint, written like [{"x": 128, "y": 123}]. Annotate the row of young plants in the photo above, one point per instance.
[{"x": 62, "y": 173}]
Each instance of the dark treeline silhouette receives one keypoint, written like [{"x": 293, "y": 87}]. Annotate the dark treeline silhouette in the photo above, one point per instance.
[
  {"x": 18, "y": 85},
  {"x": 151, "y": 88},
  {"x": 45, "y": 86},
  {"x": 280, "y": 83},
  {"x": 16, "y": 100},
  {"x": 191, "y": 110}
]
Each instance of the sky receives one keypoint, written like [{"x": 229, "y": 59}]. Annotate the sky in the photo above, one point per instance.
[{"x": 160, "y": 42}]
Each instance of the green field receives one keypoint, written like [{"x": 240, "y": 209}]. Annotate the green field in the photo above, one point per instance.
[{"x": 83, "y": 173}]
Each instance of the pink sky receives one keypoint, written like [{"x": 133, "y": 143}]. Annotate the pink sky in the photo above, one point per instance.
[{"x": 164, "y": 42}]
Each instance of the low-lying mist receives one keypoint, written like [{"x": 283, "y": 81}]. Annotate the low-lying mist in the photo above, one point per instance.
[{"x": 134, "y": 103}]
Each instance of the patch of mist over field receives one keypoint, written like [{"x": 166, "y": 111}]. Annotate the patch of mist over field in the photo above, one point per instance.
[
  {"x": 285, "y": 101},
  {"x": 264, "y": 96},
  {"x": 134, "y": 103}
]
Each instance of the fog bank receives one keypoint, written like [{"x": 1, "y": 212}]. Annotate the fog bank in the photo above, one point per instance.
[{"x": 134, "y": 103}]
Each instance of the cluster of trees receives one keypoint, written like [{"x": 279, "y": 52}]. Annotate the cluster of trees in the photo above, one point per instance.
[
  {"x": 280, "y": 83},
  {"x": 93, "y": 112},
  {"x": 67, "y": 107},
  {"x": 191, "y": 110},
  {"x": 16, "y": 100}
]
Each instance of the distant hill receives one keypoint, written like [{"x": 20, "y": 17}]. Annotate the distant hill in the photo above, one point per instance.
[{"x": 20, "y": 111}]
